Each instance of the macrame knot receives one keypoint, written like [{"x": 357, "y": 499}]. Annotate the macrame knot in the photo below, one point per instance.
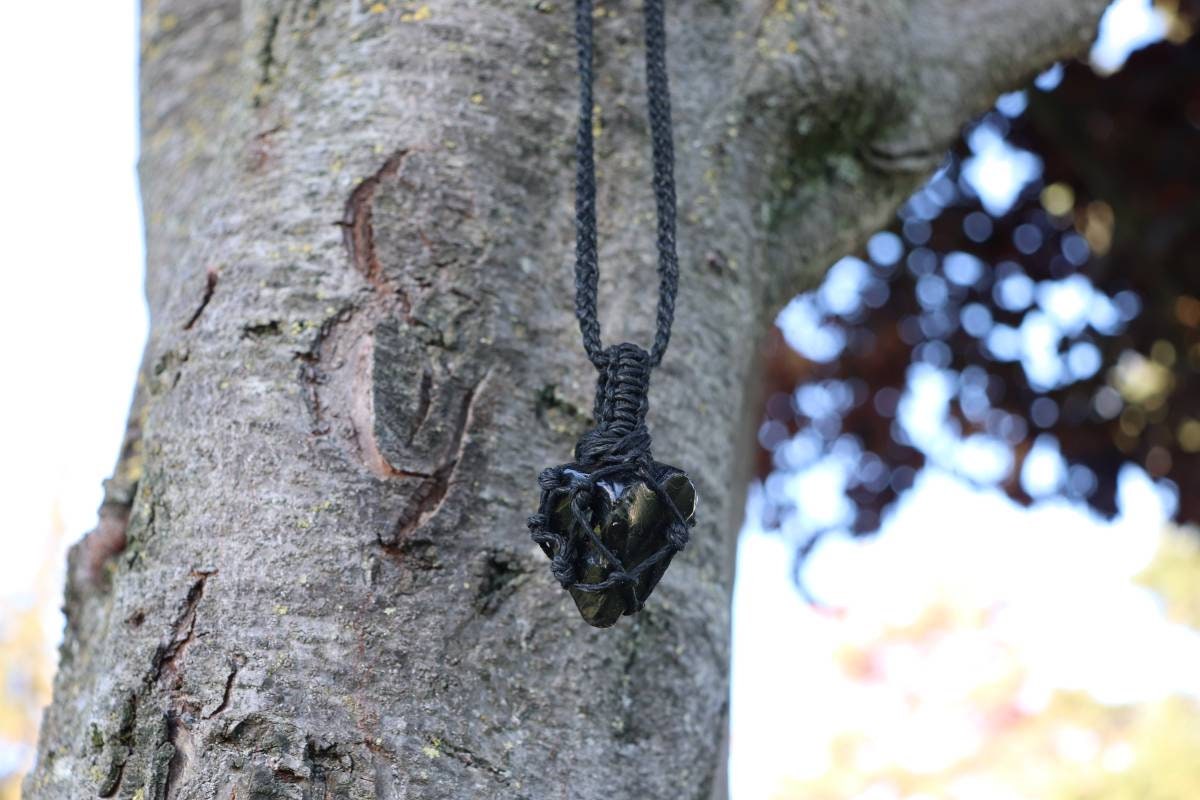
[{"x": 620, "y": 438}]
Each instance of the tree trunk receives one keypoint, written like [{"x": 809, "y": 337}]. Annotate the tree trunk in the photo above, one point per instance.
[{"x": 312, "y": 576}]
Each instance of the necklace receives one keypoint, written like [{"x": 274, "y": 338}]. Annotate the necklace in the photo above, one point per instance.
[{"x": 612, "y": 519}]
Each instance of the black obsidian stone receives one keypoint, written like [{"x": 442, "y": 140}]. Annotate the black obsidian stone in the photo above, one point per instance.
[{"x": 632, "y": 522}]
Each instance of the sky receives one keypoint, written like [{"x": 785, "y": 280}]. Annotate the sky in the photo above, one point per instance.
[
  {"x": 72, "y": 315},
  {"x": 73, "y": 321}
]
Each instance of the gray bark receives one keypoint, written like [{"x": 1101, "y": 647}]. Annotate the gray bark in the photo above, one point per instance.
[{"x": 311, "y": 577}]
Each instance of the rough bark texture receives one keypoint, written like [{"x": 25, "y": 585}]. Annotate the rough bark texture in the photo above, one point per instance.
[{"x": 311, "y": 577}]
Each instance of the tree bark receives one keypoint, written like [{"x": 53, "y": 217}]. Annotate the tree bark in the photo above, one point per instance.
[{"x": 311, "y": 577}]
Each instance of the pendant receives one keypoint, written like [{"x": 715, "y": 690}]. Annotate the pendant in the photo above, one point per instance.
[
  {"x": 612, "y": 520},
  {"x": 632, "y": 524}
]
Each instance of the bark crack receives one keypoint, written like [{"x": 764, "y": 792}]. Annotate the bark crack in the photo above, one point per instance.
[
  {"x": 311, "y": 375},
  {"x": 431, "y": 495},
  {"x": 266, "y": 60},
  {"x": 210, "y": 286},
  {"x": 358, "y": 230},
  {"x": 183, "y": 629},
  {"x": 469, "y": 759},
  {"x": 166, "y": 665},
  {"x": 230, "y": 679},
  {"x": 424, "y": 398},
  {"x": 500, "y": 573},
  {"x": 261, "y": 330}
]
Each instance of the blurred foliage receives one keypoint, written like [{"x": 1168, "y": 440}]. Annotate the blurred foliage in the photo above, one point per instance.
[
  {"x": 1175, "y": 576},
  {"x": 1068, "y": 320},
  {"x": 965, "y": 728},
  {"x": 27, "y": 665},
  {"x": 1076, "y": 749}
]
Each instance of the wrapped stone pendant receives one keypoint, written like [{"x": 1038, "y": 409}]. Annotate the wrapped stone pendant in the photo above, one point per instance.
[
  {"x": 612, "y": 520},
  {"x": 631, "y": 523}
]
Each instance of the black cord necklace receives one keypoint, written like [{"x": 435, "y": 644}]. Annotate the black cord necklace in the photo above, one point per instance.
[{"x": 612, "y": 519}]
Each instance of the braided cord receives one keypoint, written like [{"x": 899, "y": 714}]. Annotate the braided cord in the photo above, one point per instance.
[
  {"x": 615, "y": 455},
  {"x": 659, "y": 103}
]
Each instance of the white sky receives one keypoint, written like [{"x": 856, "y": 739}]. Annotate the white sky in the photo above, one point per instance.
[
  {"x": 72, "y": 323},
  {"x": 72, "y": 318}
]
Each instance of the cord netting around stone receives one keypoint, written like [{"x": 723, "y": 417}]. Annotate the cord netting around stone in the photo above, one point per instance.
[{"x": 616, "y": 450}]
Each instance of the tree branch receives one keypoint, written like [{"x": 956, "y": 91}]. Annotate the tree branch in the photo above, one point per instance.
[{"x": 855, "y": 106}]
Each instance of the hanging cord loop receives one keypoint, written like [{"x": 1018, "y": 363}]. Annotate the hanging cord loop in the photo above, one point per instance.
[
  {"x": 611, "y": 520},
  {"x": 586, "y": 258}
]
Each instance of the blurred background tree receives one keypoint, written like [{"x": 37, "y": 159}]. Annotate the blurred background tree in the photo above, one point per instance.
[
  {"x": 1030, "y": 322},
  {"x": 1038, "y": 340}
]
